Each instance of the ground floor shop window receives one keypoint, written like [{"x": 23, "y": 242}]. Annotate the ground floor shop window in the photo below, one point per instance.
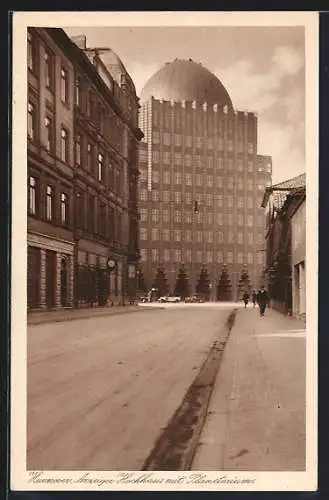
[{"x": 33, "y": 277}]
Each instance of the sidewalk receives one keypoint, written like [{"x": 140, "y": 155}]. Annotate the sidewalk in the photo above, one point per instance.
[
  {"x": 256, "y": 416},
  {"x": 40, "y": 317}
]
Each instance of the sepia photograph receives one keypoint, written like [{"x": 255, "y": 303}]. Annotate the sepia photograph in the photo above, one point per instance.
[{"x": 165, "y": 334}]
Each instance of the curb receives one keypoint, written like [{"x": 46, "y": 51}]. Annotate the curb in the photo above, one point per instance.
[
  {"x": 176, "y": 446},
  {"x": 35, "y": 322}
]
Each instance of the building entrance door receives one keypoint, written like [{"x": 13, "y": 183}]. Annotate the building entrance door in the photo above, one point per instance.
[
  {"x": 33, "y": 276},
  {"x": 64, "y": 291},
  {"x": 50, "y": 278}
]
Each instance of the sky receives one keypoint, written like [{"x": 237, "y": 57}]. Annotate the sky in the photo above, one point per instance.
[{"x": 262, "y": 68}]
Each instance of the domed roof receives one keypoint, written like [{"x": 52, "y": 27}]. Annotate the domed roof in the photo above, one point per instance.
[
  {"x": 116, "y": 67},
  {"x": 182, "y": 80}
]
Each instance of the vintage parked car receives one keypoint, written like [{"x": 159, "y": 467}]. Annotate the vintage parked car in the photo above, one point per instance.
[
  {"x": 174, "y": 298},
  {"x": 163, "y": 299}
]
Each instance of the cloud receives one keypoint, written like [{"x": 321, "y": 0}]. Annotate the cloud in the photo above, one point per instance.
[{"x": 276, "y": 93}]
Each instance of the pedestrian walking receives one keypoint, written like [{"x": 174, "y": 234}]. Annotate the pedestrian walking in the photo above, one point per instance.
[
  {"x": 245, "y": 298},
  {"x": 263, "y": 300},
  {"x": 254, "y": 297}
]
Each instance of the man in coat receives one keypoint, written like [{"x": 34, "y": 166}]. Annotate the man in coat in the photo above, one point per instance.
[{"x": 263, "y": 300}]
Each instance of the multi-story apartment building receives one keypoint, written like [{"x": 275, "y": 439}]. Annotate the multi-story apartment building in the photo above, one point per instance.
[
  {"x": 82, "y": 160},
  {"x": 201, "y": 179},
  {"x": 50, "y": 165}
]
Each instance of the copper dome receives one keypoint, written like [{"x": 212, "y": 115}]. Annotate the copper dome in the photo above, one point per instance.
[{"x": 186, "y": 80}]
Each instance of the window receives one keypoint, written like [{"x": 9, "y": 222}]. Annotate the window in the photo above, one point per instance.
[
  {"x": 230, "y": 201},
  {"x": 49, "y": 133},
  {"x": 167, "y": 118},
  {"x": 208, "y": 200},
  {"x": 178, "y": 197},
  {"x": 250, "y": 239},
  {"x": 155, "y": 117},
  {"x": 210, "y": 180},
  {"x": 188, "y": 179},
  {"x": 250, "y": 147},
  {"x": 250, "y": 258},
  {"x": 49, "y": 203},
  {"x": 142, "y": 154},
  {"x": 230, "y": 145},
  {"x": 80, "y": 210},
  {"x": 31, "y": 121},
  {"x": 210, "y": 162},
  {"x": 155, "y": 254},
  {"x": 166, "y": 255},
  {"x": 249, "y": 202},
  {"x": 188, "y": 141},
  {"x": 240, "y": 202},
  {"x": 188, "y": 217},
  {"x": 78, "y": 149},
  {"x": 240, "y": 257},
  {"x": 100, "y": 167},
  {"x": 240, "y": 147},
  {"x": 260, "y": 258},
  {"x": 166, "y": 235},
  {"x": 143, "y": 214},
  {"x": 155, "y": 234},
  {"x": 250, "y": 220},
  {"x": 260, "y": 238},
  {"x": 210, "y": 143},
  {"x": 177, "y": 235},
  {"x": 143, "y": 233},
  {"x": 220, "y": 163},
  {"x": 220, "y": 219},
  {"x": 31, "y": 52},
  {"x": 188, "y": 160},
  {"x": 166, "y": 139},
  {"x": 64, "y": 209},
  {"x": 188, "y": 254},
  {"x": 230, "y": 183},
  {"x": 240, "y": 184},
  {"x": 199, "y": 142},
  {"x": 210, "y": 237},
  {"x": 143, "y": 253},
  {"x": 177, "y": 178},
  {"x": 240, "y": 219},
  {"x": 64, "y": 145},
  {"x": 155, "y": 215},
  {"x": 178, "y": 216},
  {"x": 239, "y": 165},
  {"x": 64, "y": 85},
  {"x": 230, "y": 219},
  {"x": 188, "y": 198},
  {"x": 198, "y": 256},
  {"x": 219, "y": 256},
  {"x": 209, "y": 257},
  {"x": 178, "y": 255},
  {"x": 78, "y": 91},
  {"x": 250, "y": 166},
  {"x": 188, "y": 235},
  {"x": 166, "y": 177},
  {"x": 143, "y": 195},
  {"x": 156, "y": 156},
  {"x": 156, "y": 137},
  {"x": 155, "y": 195},
  {"x": 49, "y": 70},
  {"x": 90, "y": 151},
  {"x": 166, "y": 196},
  {"x": 177, "y": 158},
  {"x": 229, "y": 164},
  {"x": 219, "y": 200},
  {"x": 219, "y": 182},
  {"x": 156, "y": 176},
  {"x": 220, "y": 237},
  {"x": 210, "y": 218},
  {"x": 91, "y": 213},
  {"x": 166, "y": 216},
  {"x": 33, "y": 187},
  {"x": 143, "y": 175},
  {"x": 229, "y": 257},
  {"x": 250, "y": 184},
  {"x": 230, "y": 237},
  {"x": 178, "y": 140},
  {"x": 240, "y": 238},
  {"x": 199, "y": 180}
]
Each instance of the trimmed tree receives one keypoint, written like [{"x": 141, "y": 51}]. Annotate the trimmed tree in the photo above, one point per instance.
[
  {"x": 224, "y": 286},
  {"x": 160, "y": 282},
  {"x": 244, "y": 281},
  {"x": 203, "y": 283},
  {"x": 182, "y": 283}
]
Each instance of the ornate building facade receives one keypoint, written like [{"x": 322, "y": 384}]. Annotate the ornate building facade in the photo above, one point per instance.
[
  {"x": 201, "y": 179},
  {"x": 83, "y": 140}
]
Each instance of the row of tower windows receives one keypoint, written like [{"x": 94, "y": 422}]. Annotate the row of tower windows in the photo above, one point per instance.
[
  {"x": 209, "y": 217},
  {"x": 200, "y": 236},
  {"x": 199, "y": 142},
  {"x": 177, "y": 255},
  {"x": 178, "y": 217}
]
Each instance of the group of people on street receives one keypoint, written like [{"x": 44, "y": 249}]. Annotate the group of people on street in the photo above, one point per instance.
[{"x": 261, "y": 298}]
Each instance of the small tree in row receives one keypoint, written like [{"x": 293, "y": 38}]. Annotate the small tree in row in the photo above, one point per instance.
[
  {"x": 203, "y": 283},
  {"x": 244, "y": 282},
  {"x": 182, "y": 283},
  {"x": 224, "y": 286},
  {"x": 160, "y": 282}
]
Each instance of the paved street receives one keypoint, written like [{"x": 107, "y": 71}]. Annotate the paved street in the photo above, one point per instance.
[
  {"x": 100, "y": 390},
  {"x": 256, "y": 417}
]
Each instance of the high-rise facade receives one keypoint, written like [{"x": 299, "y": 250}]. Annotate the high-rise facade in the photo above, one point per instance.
[{"x": 201, "y": 179}]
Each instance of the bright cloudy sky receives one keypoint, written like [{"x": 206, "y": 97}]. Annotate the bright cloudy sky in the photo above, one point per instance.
[{"x": 261, "y": 68}]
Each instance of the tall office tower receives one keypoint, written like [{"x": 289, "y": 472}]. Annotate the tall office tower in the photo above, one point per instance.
[{"x": 201, "y": 180}]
